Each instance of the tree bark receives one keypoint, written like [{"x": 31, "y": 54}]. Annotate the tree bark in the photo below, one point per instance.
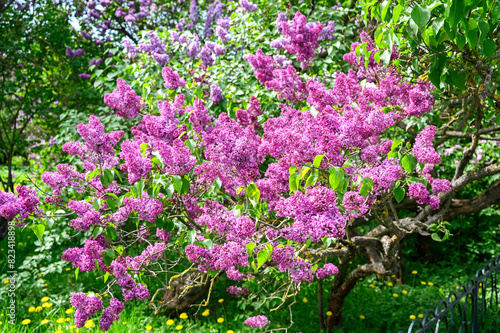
[{"x": 185, "y": 290}]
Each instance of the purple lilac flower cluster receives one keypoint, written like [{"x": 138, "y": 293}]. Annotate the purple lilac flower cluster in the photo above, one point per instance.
[
  {"x": 24, "y": 204},
  {"x": 316, "y": 215},
  {"x": 232, "y": 154},
  {"x": 257, "y": 321},
  {"x": 302, "y": 38},
  {"x": 124, "y": 100},
  {"x": 85, "y": 258},
  {"x": 86, "y": 307},
  {"x": 98, "y": 149},
  {"x": 237, "y": 291},
  {"x": 111, "y": 313},
  {"x": 156, "y": 49}
]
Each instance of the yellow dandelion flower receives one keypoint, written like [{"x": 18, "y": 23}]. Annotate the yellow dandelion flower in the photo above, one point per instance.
[
  {"x": 60, "y": 320},
  {"x": 20, "y": 243},
  {"x": 430, "y": 283},
  {"x": 32, "y": 309},
  {"x": 183, "y": 315},
  {"x": 47, "y": 305},
  {"x": 278, "y": 325},
  {"x": 221, "y": 300},
  {"x": 170, "y": 322},
  {"x": 39, "y": 275},
  {"x": 70, "y": 310},
  {"x": 39, "y": 308},
  {"x": 305, "y": 300},
  {"x": 390, "y": 284},
  {"x": 206, "y": 313},
  {"x": 423, "y": 283},
  {"x": 124, "y": 323},
  {"x": 89, "y": 323},
  {"x": 58, "y": 331},
  {"x": 45, "y": 299},
  {"x": 179, "y": 327},
  {"x": 6, "y": 281},
  {"x": 149, "y": 328},
  {"x": 480, "y": 290},
  {"x": 412, "y": 317},
  {"x": 230, "y": 331},
  {"x": 329, "y": 313},
  {"x": 405, "y": 292},
  {"x": 46, "y": 284},
  {"x": 395, "y": 295},
  {"x": 105, "y": 295},
  {"x": 68, "y": 269},
  {"x": 362, "y": 317},
  {"x": 414, "y": 272},
  {"x": 220, "y": 320},
  {"x": 372, "y": 285},
  {"x": 420, "y": 316},
  {"x": 26, "y": 321},
  {"x": 45, "y": 321},
  {"x": 67, "y": 319}
]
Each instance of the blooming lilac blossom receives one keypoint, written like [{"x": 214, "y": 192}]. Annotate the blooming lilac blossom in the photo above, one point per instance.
[
  {"x": 249, "y": 117},
  {"x": 238, "y": 291},
  {"x": 215, "y": 48},
  {"x": 85, "y": 34},
  {"x": 84, "y": 76},
  {"x": 262, "y": 65},
  {"x": 86, "y": 307},
  {"x": 280, "y": 43},
  {"x": 303, "y": 38},
  {"x": 131, "y": 49},
  {"x": 288, "y": 84},
  {"x": 281, "y": 18},
  {"x": 216, "y": 94},
  {"x": 111, "y": 313},
  {"x": 441, "y": 185},
  {"x": 163, "y": 235},
  {"x": 95, "y": 62},
  {"x": 231, "y": 153},
  {"x": 419, "y": 191},
  {"x": 248, "y": 6},
  {"x": 257, "y": 321},
  {"x": 234, "y": 274},
  {"x": 172, "y": 79},
  {"x": 199, "y": 117},
  {"x": 327, "y": 32},
  {"x": 25, "y": 203},
  {"x": 66, "y": 176},
  {"x": 85, "y": 258},
  {"x": 315, "y": 215},
  {"x": 124, "y": 100},
  {"x": 135, "y": 164},
  {"x": 206, "y": 56},
  {"x": 98, "y": 147},
  {"x": 193, "y": 12},
  {"x": 155, "y": 49},
  {"x": 423, "y": 149},
  {"x": 328, "y": 269},
  {"x": 147, "y": 208}
]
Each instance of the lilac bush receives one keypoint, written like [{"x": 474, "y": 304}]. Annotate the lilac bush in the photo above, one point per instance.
[{"x": 244, "y": 195}]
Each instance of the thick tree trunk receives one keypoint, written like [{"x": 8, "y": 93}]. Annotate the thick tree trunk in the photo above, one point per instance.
[{"x": 185, "y": 290}]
